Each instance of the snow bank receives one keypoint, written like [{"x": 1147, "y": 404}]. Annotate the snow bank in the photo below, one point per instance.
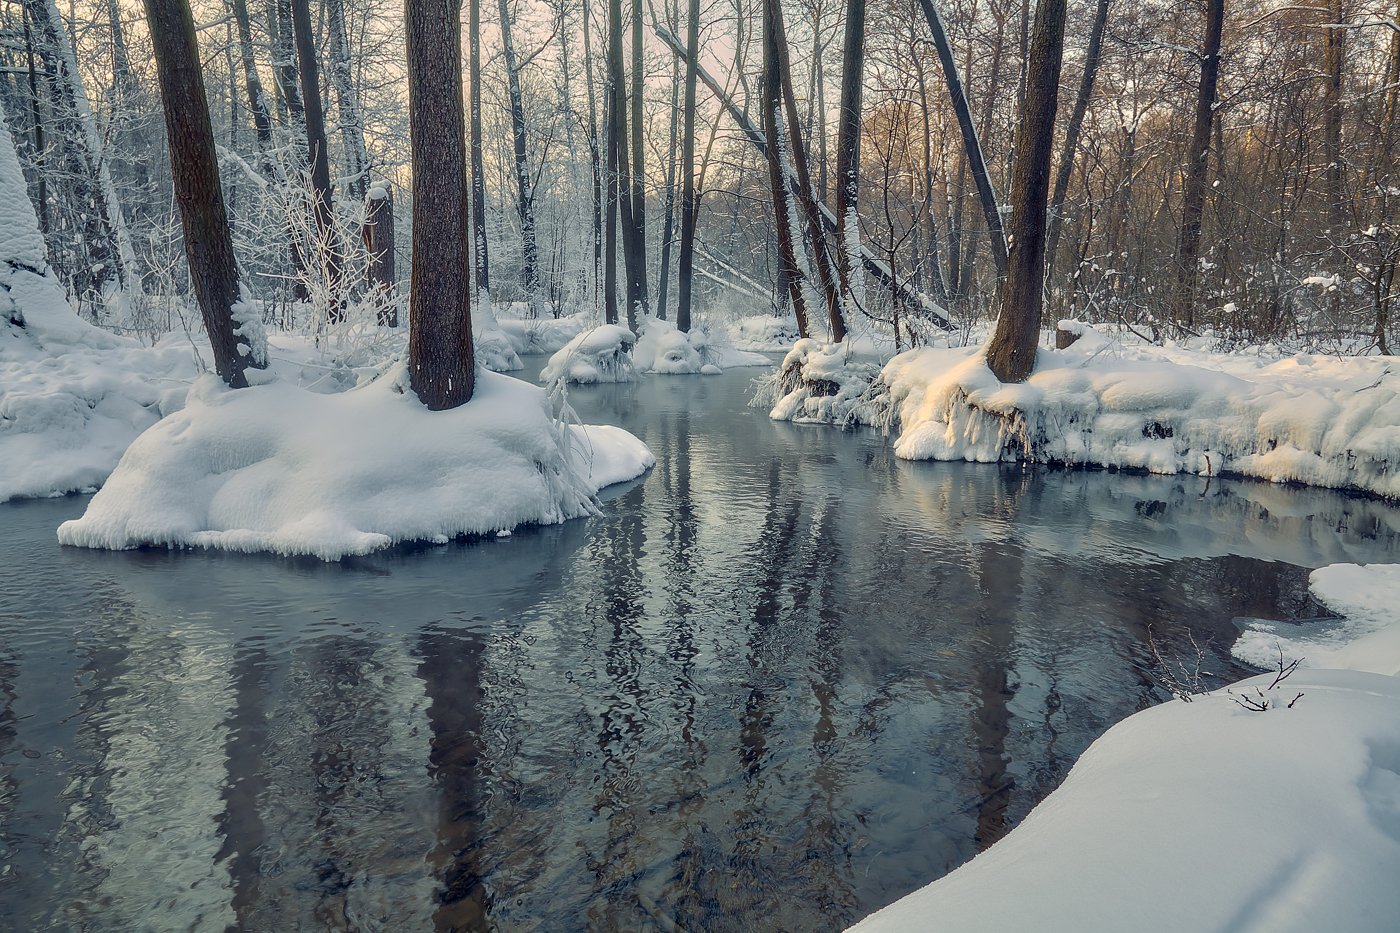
[
  {"x": 1322, "y": 421},
  {"x": 493, "y": 347},
  {"x": 541, "y": 335},
  {"x": 661, "y": 348},
  {"x": 1203, "y": 816},
  {"x": 1366, "y": 639},
  {"x": 601, "y": 354},
  {"x": 825, "y": 383},
  {"x": 277, "y": 468}
]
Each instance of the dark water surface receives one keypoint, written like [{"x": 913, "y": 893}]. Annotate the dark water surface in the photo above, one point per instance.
[{"x": 783, "y": 680}]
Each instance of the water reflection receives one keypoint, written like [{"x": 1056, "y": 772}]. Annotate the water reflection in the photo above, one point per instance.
[{"x": 783, "y": 680}]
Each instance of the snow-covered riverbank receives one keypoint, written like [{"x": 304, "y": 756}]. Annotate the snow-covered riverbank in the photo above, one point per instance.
[{"x": 1268, "y": 805}]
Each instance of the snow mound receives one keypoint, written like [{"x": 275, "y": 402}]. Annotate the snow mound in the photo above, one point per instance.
[
  {"x": 826, "y": 383},
  {"x": 661, "y": 348},
  {"x": 1203, "y": 816},
  {"x": 541, "y": 335},
  {"x": 601, "y": 354},
  {"x": 493, "y": 347},
  {"x": 763, "y": 333},
  {"x": 1367, "y": 639},
  {"x": 277, "y": 468},
  {"x": 1314, "y": 420}
]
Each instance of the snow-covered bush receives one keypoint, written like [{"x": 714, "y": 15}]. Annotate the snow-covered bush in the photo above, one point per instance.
[{"x": 602, "y": 354}]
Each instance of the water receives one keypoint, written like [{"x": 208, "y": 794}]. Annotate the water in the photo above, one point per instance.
[{"x": 783, "y": 680}]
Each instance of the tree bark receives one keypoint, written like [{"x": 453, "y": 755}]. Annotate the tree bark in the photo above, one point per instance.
[
  {"x": 690, "y": 201},
  {"x": 638, "y": 167},
  {"x": 352, "y": 132},
  {"x": 323, "y": 211},
  {"x": 1194, "y": 181},
  {"x": 781, "y": 185},
  {"x": 1011, "y": 353},
  {"x": 848, "y": 141},
  {"x": 194, "y": 172},
  {"x": 378, "y": 234},
  {"x": 480, "y": 250},
  {"x": 441, "y": 365}
]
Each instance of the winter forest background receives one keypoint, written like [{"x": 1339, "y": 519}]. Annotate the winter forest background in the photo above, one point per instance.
[{"x": 1297, "y": 190}]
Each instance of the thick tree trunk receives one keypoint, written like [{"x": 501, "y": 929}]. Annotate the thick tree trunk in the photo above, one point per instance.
[
  {"x": 848, "y": 142},
  {"x": 690, "y": 201},
  {"x": 441, "y": 366},
  {"x": 972, "y": 148},
  {"x": 480, "y": 250},
  {"x": 323, "y": 210},
  {"x": 525, "y": 199},
  {"x": 1194, "y": 182},
  {"x": 1011, "y": 353},
  {"x": 1073, "y": 128},
  {"x": 194, "y": 172}
]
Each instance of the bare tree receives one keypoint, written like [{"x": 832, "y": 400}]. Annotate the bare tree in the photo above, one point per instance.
[
  {"x": 323, "y": 209},
  {"x": 480, "y": 251},
  {"x": 1194, "y": 178},
  {"x": 690, "y": 202}
]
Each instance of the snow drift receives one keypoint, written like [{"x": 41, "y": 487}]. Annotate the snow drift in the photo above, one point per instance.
[{"x": 277, "y": 468}]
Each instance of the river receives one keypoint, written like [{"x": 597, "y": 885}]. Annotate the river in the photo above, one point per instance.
[{"x": 784, "y": 679}]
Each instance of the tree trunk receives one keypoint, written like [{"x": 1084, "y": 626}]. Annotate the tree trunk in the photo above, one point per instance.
[
  {"x": 441, "y": 366},
  {"x": 668, "y": 226},
  {"x": 638, "y": 166},
  {"x": 1073, "y": 128},
  {"x": 194, "y": 172},
  {"x": 352, "y": 132},
  {"x": 972, "y": 148},
  {"x": 594, "y": 156},
  {"x": 618, "y": 157},
  {"x": 826, "y": 273},
  {"x": 323, "y": 211},
  {"x": 1011, "y": 353},
  {"x": 1194, "y": 181},
  {"x": 783, "y": 219},
  {"x": 690, "y": 201},
  {"x": 525, "y": 199},
  {"x": 480, "y": 250},
  {"x": 378, "y": 234},
  {"x": 848, "y": 142},
  {"x": 1334, "y": 68}
]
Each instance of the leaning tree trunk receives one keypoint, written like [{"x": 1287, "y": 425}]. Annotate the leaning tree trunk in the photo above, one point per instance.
[
  {"x": 441, "y": 366},
  {"x": 1072, "y": 130},
  {"x": 826, "y": 274},
  {"x": 323, "y": 211},
  {"x": 480, "y": 253},
  {"x": 848, "y": 142},
  {"x": 525, "y": 199},
  {"x": 194, "y": 172},
  {"x": 1194, "y": 183},
  {"x": 690, "y": 205},
  {"x": 972, "y": 147},
  {"x": 1011, "y": 353}
]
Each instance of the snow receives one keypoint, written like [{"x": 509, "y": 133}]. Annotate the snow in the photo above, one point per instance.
[
  {"x": 1322, "y": 421},
  {"x": 765, "y": 333},
  {"x": 1367, "y": 638},
  {"x": 493, "y": 347},
  {"x": 663, "y": 349},
  {"x": 278, "y": 468},
  {"x": 1203, "y": 816},
  {"x": 825, "y": 383},
  {"x": 600, "y": 354},
  {"x": 539, "y": 335}
]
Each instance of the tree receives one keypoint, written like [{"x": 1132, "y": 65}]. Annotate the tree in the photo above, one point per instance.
[
  {"x": 1193, "y": 194},
  {"x": 1011, "y": 353},
  {"x": 525, "y": 199},
  {"x": 230, "y": 321},
  {"x": 480, "y": 254},
  {"x": 638, "y": 170},
  {"x": 323, "y": 210},
  {"x": 347, "y": 97},
  {"x": 441, "y": 365},
  {"x": 785, "y": 221},
  {"x": 689, "y": 199},
  {"x": 848, "y": 141}
]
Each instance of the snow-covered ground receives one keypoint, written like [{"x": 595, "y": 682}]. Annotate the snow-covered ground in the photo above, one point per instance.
[
  {"x": 763, "y": 333},
  {"x": 277, "y": 468},
  {"x": 1319, "y": 420},
  {"x": 1213, "y": 814},
  {"x": 661, "y": 348},
  {"x": 599, "y": 354},
  {"x": 540, "y": 335}
]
